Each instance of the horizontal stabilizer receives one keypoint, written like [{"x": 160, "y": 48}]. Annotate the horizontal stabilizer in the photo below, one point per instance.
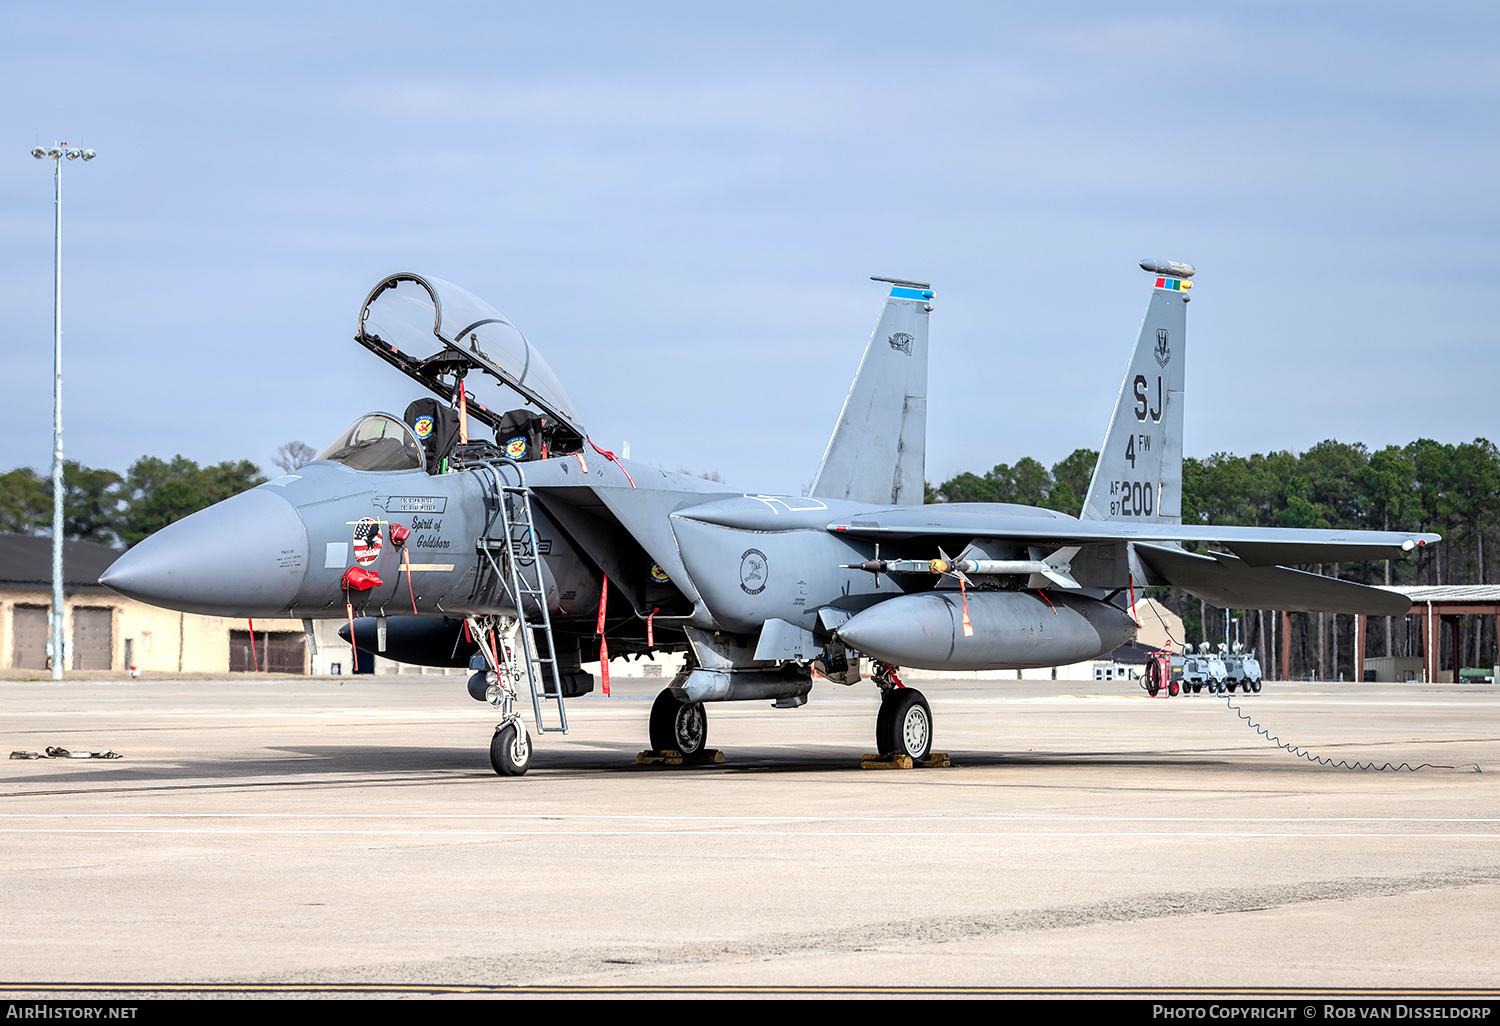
[{"x": 1229, "y": 583}]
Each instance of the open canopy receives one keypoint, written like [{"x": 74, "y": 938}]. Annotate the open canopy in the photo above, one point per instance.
[{"x": 436, "y": 333}]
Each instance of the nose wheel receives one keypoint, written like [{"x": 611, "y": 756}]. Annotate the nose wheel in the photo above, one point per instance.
[
  {"x": 679, "y": 726},
  {"x": 510, "y": 749},
  {"x": 904, "y": 725}
]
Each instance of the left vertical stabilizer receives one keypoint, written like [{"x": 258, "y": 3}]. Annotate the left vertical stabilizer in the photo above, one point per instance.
[{"x": 878, "y": 451}]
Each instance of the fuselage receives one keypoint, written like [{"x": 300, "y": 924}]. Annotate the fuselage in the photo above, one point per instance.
[{"x": 675, "y": 548}]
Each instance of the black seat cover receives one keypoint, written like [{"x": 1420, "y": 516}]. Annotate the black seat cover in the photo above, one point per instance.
[{"x": 436, "y": 427}]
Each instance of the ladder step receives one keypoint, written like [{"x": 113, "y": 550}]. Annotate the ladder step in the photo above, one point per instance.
[{"x": 515, "y": 521}]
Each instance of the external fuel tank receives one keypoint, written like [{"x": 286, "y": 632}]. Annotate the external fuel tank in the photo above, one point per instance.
[{"x": 1012, "y": 630}]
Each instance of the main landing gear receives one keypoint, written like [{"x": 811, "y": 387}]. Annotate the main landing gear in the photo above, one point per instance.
[
  {"x": 904, "y": 725},
  {"x": 679, "y": 727}
]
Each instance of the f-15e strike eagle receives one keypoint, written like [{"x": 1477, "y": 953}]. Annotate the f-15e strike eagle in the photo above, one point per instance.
[{"x": 526, "y": 555}]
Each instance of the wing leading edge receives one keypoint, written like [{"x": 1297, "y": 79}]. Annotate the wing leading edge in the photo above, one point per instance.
[{"x": 1256, "y": 546}]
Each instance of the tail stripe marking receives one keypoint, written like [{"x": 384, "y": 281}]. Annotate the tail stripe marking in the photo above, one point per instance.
[{"x": 902, "y": 293}]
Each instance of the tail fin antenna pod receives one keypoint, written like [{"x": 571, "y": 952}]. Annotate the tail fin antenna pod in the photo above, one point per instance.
[
  {"x": 1139, "y": 473},
  {"x": 878, "y": 450}
]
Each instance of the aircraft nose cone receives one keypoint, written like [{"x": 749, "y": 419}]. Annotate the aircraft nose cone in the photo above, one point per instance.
[{"x": 245, "y": 556}]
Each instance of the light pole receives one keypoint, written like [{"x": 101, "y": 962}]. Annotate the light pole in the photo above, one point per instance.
[{"x": 57, "y": 152}]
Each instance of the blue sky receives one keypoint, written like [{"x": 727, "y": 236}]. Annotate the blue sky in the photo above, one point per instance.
[{"x": 681, "y": 206}]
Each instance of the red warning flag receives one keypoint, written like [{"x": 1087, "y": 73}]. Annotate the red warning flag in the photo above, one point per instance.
[{"x": 603, "y": 645}]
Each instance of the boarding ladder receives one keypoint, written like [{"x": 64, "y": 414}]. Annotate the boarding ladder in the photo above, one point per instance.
[{"x": 523, "y": 579}]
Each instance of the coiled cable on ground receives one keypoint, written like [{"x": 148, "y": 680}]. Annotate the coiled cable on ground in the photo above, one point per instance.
[
  {"x": 1294, "y": 749},
  {"x": 1320, "y": 759}
]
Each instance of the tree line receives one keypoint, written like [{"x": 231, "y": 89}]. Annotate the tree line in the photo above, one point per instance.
[
  {"x": 1453, "y": 490},
  {"x": 109, "y": 508}
]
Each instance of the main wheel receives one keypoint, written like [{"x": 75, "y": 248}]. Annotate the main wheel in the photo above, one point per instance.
[
  {"x": 904, "y": 726},
  {"x": 1256, "y": 685},
  {"x": 510, "y": 750},
  {"x": 679, "y": 726},
  {"x": 883, "y": 722}
]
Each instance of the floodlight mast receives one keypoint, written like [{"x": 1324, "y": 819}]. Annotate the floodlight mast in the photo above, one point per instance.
[{"x": 57, "y": 152}]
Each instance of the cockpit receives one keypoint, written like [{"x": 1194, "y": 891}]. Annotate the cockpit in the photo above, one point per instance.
[
  {"x": 376, "y": 441},
  {"x": 473, "y": 360}
]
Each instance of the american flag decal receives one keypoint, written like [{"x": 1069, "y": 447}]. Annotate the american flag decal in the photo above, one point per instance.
[{"x": 367, "y": 541}]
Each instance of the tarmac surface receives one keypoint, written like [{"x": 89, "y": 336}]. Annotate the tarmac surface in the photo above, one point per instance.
[{"x": 351, "y": 834}]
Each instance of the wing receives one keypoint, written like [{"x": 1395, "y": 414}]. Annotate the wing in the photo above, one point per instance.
[
  {"x": 1116, "y": 553},
  {"x": 1257, "y": 546}
]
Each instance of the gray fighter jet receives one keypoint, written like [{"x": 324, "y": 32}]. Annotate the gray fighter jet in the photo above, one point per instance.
[{"x": 526, "y": 555}]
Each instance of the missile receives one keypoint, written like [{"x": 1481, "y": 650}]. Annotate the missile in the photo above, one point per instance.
[
  {"x": 1012, "y": 630},
  {"x": 1056, "y": 568},
  {"x": 1171, "y": 267},
  {"x": 898, "y": 566}
]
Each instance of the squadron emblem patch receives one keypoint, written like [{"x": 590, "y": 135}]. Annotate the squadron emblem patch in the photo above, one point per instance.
[
  {"x": 658, "y": 574},
  {"x": 901, "y": 342},
  {"x": 516, "y": 448},
  {"x": 1163, "y": 353},
  {"x": 753, "y": 571},
  {"x": 423, "y": 427},
  {"x": 367, "y": 541}
]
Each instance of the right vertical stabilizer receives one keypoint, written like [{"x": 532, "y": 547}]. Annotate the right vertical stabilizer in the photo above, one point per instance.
[
  {"x": 878, "y": 451},
  {"x": 1139, "y": 474}
]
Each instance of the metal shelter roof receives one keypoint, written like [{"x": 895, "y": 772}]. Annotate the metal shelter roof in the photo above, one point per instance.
[
  {"x": 26, "y": 562},
  {"x": 1469, "y": 593}
]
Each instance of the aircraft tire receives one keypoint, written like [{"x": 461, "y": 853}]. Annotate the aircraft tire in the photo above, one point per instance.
[
  {"x": 679, "y": 726},
  {"x": 904, "y": 726},
  {"x": 510, "y": 750},
  {"x": 884, "y": 739}
]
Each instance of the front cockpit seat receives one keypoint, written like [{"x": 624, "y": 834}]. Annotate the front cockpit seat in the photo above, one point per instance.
[{"x": 436, "y": 427}]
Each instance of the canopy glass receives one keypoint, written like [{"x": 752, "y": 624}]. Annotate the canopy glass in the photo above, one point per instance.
[
  {"x": 376, "y": 441},
  {"x": 445, "y": 327}
]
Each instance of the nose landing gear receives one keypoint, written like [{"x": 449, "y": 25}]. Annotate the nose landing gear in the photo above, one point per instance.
[
  {"x": 510, "y": 749},
  {"x": 497, "y": 683}
]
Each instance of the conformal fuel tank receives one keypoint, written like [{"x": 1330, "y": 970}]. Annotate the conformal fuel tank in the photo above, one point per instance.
[{"x": 1013, "y": 630}]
